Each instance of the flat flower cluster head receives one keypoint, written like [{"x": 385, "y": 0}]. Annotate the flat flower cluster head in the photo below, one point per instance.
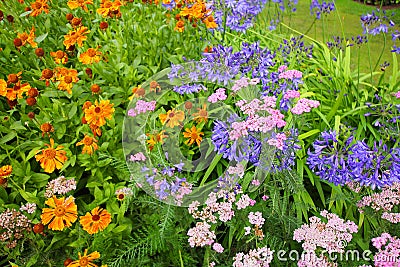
[
  {"x": 13, "y": 226},
  {"x": 330, "y": 236},
  {"x": 260, "y": 257},
  {"x": 59, "y": 186},
  {"x": 388, "y": 250},
  {"x": 142, "y": 107}
]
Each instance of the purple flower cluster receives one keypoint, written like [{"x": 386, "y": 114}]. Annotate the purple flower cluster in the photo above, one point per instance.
[
  {"x": 236, "y": 15},
  {"x": 166, "y": 184},
  {"x": 295, "y": 49},
  {"x": 318, "y": 8},
  {"x": 222, "y": 65},
  {"x": 142, "y": 107},
  {"x": 374, "y": 167},
  {"x": 375, "y": 22},
  {"x": 395, "y": 38},
  {"x": 329, "y": 159}
]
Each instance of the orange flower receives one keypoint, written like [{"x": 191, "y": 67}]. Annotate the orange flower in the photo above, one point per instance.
[
  {"x": 51, "y": 158},
  {"x": 156, "y": 138},
  {"x": 172, "y": 118},
  {"x": 66, "y": 77},
  {"x": 38, "y": 7},
  {"x": 5, "y": 171},
  {"x": 202, "y": 115},
  {"x": 193, "y": 135},
  {"x": 85, "y": 260},
  {"x": 90, "y": 56},
  {"x": 28, "y": 38},
  {"x": 97, "y": 221},
  {"x": 109, "y": 8},
  {"x": 89, "y": 145},
  {"x": 46, "y": 128},
  {"x": 196, "y": 10},
  {"x": 180, "y": 26},
  {"x": 62, "y": 214},
  {"x": 17, "y": 91},
  {"x": 3, "y": 87},
  {"x": 98, "y": 113},
  {"x": 76, "y": 36},
  {"x": 72, "y": 4},
  {"x": 60, "y": 57},
  {"x": 210, "y": 22}
]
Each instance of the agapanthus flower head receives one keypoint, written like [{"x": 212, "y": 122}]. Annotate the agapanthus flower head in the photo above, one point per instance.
[
  {"x": 376, "y": 22},
  {"x": 323, "y": 8}
]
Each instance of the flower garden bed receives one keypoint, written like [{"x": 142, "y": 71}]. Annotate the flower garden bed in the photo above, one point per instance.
[{"x": 191, "y": 133}]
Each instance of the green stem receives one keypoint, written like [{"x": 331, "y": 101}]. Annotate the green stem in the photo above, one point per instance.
[
  {"x": 380, "y": 55},
  {"x": 369, "y": 58}
]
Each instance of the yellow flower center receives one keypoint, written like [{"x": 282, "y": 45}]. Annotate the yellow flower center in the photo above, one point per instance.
[
  {"x": 59, "y": 211},
  {"x": 83, "y": 261},
  {"x": 49, "y": 153}
]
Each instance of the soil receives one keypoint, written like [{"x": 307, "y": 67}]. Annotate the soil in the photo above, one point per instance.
[{"x": 384, "y": 7}]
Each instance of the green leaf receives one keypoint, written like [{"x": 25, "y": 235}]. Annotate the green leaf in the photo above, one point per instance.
[
  {"x": 8, "y": 137},
  {"x": 308, "y": 134},
  {"x": 40, "y": 38}
]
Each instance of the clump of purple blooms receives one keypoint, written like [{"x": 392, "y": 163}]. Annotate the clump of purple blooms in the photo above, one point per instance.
[
  {"x": 341, "y": 163},
  {"x": 142, "y": 107},
  {"x": 375, "y": 23},
  {"x": 236, "y": 15},
  {"x": 318, "y": 8}
]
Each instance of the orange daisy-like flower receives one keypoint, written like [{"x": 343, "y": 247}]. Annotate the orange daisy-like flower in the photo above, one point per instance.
[
  {"x": 28, "y": 38},
  {"x": 3, "y": 87},
  {"x": 210, "y": 22},
  {"x": 76, "y": 36},
  {"x": 90, "y": 56},
  {"x": 66, "y": 77},
  {"x": 5, "y": 171},
  {"x": 89, "y": 145},
  {"x": 193, "y": 135},
  {"x": 109, "y": 8},
  {"x": 95, "y": 221},
  {"x": 51, "y": 158},
  {"x": 72, "y": 4},
  {"x": 17, "y": 91},
  {"x": 62, "y": 214},
  {"x": 85, "y": 260},
  {"x": 98, "y": 113},
  {"x": 180, "y": 26},
  {"x": 38, "y": 7},
  {"x": 60, "y": 57},
  {"x": 156, "y": 138},
  {"x": 202, "y": 115},
  {"x": 172, "y": 118}
]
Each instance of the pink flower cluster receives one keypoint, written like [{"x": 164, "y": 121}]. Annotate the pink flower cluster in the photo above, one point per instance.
[
  {"x": 388, "y": 254},
  {"x": 28, "y": 207},
  {"x": 218, "y": 247},
  {"x": 290, "y": 75},
  {"x": 244, "y": 202},
  {"x": 238, "y": 169},
  {"x": 255, "y": 105},
  {"x": 304, "y": 105},
  {"x": 260, "y": 257},
  {"x": 60, "y": 186},
  {"x": 278, "y": 141},
  {"x": 330, "y": 236},
  {"x": 310, "y": 259},
  {"x": 385, "y": 200},
  {"x": 201, "y": 235},
  {"x": 142, "y": 107},
  {"x": 256, "y": 218},
  {"x": 243, "y": 83},
  {"x": 219, "y": 95},
  {"x": 138, "y": 157},
  {"x": 291, "y": 94},
  {"x": 13, "y": 225},
  {"x": 397, "y": 94}
]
